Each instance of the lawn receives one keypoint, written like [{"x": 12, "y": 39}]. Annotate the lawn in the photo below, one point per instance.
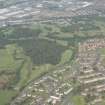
[
  {"x": 66, "y": 56},
  {"x": 102, "y": 51},
  {"x": 79, "y": 100},
  {"x": 7, "y": 60},
  {"x": 6, "y": 96},
  {"x": 25, "y": 72}
]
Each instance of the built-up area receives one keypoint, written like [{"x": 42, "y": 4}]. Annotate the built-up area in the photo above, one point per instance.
[{"x": 92, "y": 71}]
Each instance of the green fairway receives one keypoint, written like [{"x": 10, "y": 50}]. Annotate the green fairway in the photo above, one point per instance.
[
  {"x": 6, "y": 96},
  {"x": 66, "y": 56},
  {"x": 7, "y": 60}
]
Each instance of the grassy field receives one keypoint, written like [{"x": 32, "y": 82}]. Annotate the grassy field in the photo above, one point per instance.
[
  {"x": 66, "y": 56},
  {"x": 79, "y": 100},
  {"x": 5, "y": 96},
  {"x": 7, "y": 60}
]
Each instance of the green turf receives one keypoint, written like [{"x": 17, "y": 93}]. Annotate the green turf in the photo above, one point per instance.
[
  {"x": 66, "y": 56},
  {"x": 6, "y": 96},
  {"x": 7, "y": 60},
  {"x": 79, "y": 100}
]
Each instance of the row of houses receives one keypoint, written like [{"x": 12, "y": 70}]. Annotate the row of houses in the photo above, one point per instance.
[
  {"x": 49, "y": 89},
  {"x": 90, "y": 77}
]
